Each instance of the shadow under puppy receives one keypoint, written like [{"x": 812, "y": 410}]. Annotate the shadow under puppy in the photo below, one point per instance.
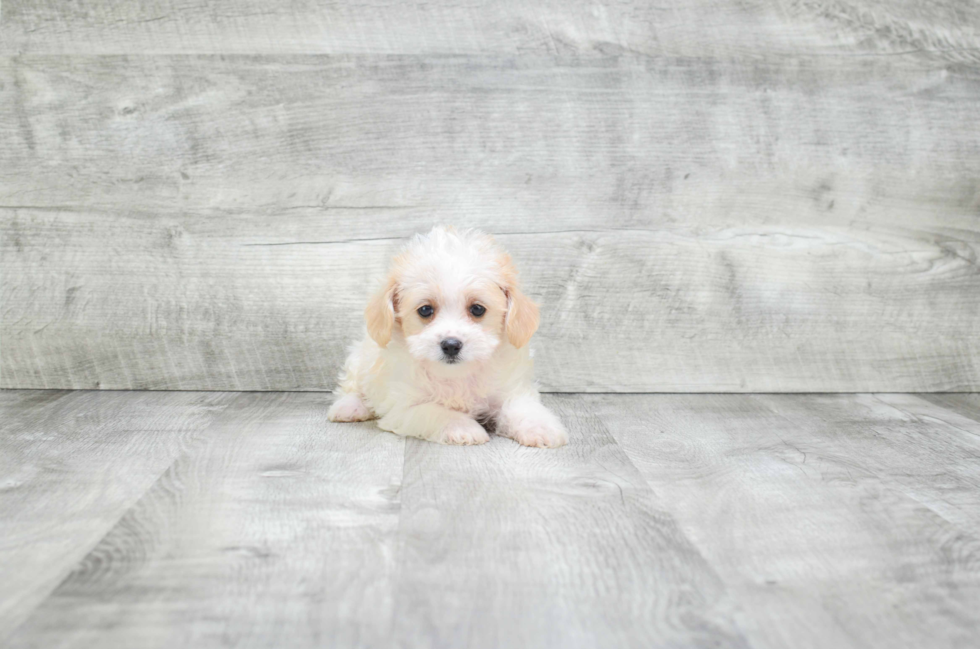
[{"x": 447, "y": 348}]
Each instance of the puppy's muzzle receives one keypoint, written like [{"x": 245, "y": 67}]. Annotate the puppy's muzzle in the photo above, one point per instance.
[{"x": 451, "y": 348}]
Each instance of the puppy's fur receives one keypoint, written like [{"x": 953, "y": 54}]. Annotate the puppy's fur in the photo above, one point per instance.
[{"x": 407, "y": 372}]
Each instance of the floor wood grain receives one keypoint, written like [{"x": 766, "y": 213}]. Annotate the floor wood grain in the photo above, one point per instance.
[
  {"x": 964, "y": 403},
  {"x": 71, "y": 465},
  {"x": 215, "y": 519},
  {"x": 278, "y": 531},
  {"x": 836, "y": 520},
  {"x": 503, "y": 546}
]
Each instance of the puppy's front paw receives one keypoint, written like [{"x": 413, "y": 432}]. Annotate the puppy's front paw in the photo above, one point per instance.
[
  {"x": 540, "y": 433},
  {"x": 349, "y": 407},
  {"x": 463, "y": 431}
]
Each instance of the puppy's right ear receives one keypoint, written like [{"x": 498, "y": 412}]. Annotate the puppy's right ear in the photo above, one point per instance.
[{"x": 380, "y": 313}]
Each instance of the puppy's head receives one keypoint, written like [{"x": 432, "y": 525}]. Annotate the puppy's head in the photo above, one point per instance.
[{"x": 452, "y": 297}]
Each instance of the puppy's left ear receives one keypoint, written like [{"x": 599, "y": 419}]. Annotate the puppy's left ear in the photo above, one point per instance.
[
  {"x": 522, "y": 317},
  {"x": 522, "y": 314}
]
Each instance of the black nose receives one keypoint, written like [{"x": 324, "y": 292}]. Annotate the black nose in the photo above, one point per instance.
[{"x": 451, "y": 346}]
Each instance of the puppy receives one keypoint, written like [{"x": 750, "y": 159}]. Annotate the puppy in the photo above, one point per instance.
[{"x": 446, "y": 352}]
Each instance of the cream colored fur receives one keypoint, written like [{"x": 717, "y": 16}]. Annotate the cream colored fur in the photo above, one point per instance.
[{"x": 399, "y": 374}]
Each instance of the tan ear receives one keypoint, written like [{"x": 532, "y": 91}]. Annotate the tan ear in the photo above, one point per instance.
[
  {"x": 522, "y": 317},
  {"x": 380, "y": 313}
]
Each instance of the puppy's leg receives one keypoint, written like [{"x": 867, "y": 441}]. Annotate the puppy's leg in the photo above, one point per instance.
[
  {"x": 526, "y": 421},
  {"x": 434, "y": 423},
  {"x": 349, "y": 407}
]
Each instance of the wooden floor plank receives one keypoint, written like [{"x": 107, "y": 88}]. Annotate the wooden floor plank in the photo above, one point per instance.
[
  {"x": 71, "y": 464},
  {"x": 928, "y": 452},
  {"x": 505, "y": 546},
  {"x": 967, "y": 404},
  {"x": 191, "y": 519},
  {"x": 26, "y": 408},
  {"x": 807, "y": 517},
  {"x": 278, "y": 531}
]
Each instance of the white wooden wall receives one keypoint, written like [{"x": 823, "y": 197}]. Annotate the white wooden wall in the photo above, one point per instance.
[{"x": 704, "y": 195}]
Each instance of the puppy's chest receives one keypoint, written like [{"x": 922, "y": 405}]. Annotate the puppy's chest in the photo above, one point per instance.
[{"x": 472, "y": 394}]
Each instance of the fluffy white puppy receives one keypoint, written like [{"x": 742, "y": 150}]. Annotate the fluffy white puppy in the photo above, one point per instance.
[{"x": 446, "y": 352}]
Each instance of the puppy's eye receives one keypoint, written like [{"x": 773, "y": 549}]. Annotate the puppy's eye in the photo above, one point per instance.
[
  {"x": 425, "y": 311},
  {"x": 477, "y": 310}
]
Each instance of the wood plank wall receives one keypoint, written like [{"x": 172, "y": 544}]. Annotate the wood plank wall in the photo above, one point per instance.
[{"x": 704, "y": 195}]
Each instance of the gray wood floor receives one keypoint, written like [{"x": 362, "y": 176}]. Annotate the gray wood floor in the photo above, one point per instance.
[{"x": 145, "y": 519}]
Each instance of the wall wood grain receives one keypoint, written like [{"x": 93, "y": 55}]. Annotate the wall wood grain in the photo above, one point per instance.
[
  {"x": 196, "y": 197},
  {"x": 946, "y": 29}
]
